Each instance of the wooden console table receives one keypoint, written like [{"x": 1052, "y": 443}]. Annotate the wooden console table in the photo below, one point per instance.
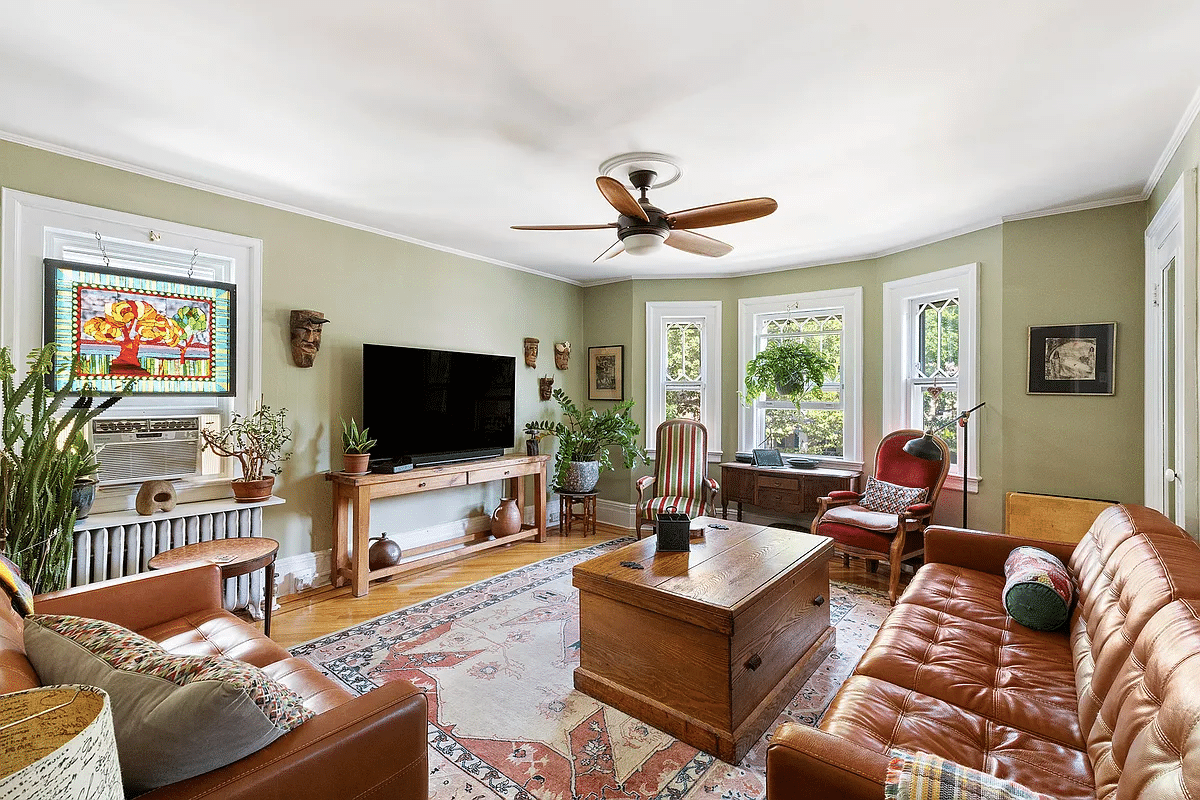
[
  {"x": 355, "y": 493},
  {"x": 793, "y": 491}
]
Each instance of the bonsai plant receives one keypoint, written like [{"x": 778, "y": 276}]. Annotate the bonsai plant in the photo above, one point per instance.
[
  {"x": 356, "y": 448},
  {"x": 789, "y": 367},
  {"x": 584, "y": 440},
  {"x": 41, "y": 458},
  {"x": 257, "y": 441}
]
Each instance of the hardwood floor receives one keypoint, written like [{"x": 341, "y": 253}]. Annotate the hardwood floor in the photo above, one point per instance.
[{"x": 318, "y": 612}]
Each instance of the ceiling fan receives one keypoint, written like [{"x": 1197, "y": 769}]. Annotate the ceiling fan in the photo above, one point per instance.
[{"x": 643, "y": 228}]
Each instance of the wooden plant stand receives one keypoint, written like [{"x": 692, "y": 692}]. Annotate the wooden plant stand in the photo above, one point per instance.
[{"x": 354, "y": 493}]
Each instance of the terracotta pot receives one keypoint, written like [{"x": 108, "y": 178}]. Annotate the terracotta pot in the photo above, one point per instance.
[
  {"x": 245, "y": 491},
  {"x": 383, "y": 552},
  {"x": 506, "y": 519},
  {"x": 355, "y": 463}
]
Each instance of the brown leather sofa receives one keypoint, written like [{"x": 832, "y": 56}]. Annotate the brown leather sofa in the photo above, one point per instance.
[
  {"x": 1107, "y": 709},
  {"x": 373, "y": 746}
]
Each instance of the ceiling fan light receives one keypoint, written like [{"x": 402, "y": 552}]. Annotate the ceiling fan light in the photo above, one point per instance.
[{"x": 639, "y": 244}]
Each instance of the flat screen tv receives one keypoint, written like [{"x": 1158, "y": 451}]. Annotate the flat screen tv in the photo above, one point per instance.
[{"x": 435, "y": 406}]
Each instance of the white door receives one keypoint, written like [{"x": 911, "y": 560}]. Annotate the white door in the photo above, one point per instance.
[{"x": 1171, "y": 415}]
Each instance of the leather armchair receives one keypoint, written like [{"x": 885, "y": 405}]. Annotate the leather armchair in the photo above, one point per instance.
[
  {"x": 875, "y": 535},
  {"x": 680, "y": 476}
]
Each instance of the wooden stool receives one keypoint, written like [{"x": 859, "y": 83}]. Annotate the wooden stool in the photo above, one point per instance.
[
  {"x": 239, "y": 556},
  {"x": 567, "y": 515}
]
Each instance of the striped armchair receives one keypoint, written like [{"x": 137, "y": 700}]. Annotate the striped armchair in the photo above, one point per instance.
[{"x": 680, "y": 476}]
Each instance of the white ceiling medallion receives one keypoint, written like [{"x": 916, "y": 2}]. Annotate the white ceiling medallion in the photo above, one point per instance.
[{"x": 666, "y": 168}]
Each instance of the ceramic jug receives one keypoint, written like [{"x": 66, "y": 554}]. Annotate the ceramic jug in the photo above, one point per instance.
[{"x": 506, "y": 519}]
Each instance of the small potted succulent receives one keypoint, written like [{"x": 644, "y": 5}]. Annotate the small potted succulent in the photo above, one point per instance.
[
  {"x": 356, "y": 448},
  {"x": 789, "y": 367},
  {"x": 257, "y": 441}
]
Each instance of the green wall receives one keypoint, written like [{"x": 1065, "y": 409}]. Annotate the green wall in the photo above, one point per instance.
[
  {"x": 373, "y": 289},
  {"x": 1080, "y": 267}
]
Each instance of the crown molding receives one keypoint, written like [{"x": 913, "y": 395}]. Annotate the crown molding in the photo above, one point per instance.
[
  {"x": 1088, "y": 206},
  {"x": 1185, "y": 124},
  {"x": 177, "y": 180}
]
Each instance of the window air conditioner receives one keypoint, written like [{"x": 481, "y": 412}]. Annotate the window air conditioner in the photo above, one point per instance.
[{"x": 136, "y": 449}]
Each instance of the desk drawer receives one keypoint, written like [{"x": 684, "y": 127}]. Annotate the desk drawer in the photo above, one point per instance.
[
  {"x": 778, "y": 499},
  {"x": 486, "y": 474},
  {"x": 785, "y": 482}
]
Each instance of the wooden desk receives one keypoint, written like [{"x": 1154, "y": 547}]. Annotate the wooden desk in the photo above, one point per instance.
[
  {"x": 235, "y": 556},
  {"x": 355, "y": 492},
  {"x": 792, "y": 491}
]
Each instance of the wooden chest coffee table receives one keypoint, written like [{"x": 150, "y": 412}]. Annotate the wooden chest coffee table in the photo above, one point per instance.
[{"x": 710, "y": 645}]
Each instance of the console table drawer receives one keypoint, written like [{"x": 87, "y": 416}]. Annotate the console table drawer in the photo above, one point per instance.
[
  {"x": 424, "y": 483},
  {"x": 786, "y": 483},
  {"x": 777, "y": 499},
  {"x": 487, "y": 474}
]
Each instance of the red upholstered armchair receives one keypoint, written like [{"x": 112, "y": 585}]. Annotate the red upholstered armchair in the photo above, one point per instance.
[
  {"x": 876, "y": 535},
  {"x": 680, "y": 473}
]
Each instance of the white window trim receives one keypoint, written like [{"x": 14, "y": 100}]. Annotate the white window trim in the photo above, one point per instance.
[
  {"x": 36, "y": 227},
  {"x": 898, "y": 351},
  {"x": 850, "y": 301},
  {"x": 657, "y": 315}
]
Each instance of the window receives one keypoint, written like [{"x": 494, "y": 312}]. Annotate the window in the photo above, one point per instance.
[
  {"x": 930, "y": 355},
  {"x": 827, "y": 423},
  {"x": 683, "y": 367}
]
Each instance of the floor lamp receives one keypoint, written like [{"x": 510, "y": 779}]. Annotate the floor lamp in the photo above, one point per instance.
[{"x": 924, "y": 447}]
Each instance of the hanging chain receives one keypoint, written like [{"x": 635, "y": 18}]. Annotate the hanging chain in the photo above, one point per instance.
[
  {"x": 192, "y": 266},
  {"x": 103, "y": 254}
]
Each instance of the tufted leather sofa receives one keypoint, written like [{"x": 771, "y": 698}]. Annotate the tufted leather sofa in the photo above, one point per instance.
[
  {"x": 1107, "y": 709},
  {"x": 369, "y": 746}
]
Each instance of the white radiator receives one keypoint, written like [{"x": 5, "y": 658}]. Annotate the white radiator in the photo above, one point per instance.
[{"x": 125, "y": 545}]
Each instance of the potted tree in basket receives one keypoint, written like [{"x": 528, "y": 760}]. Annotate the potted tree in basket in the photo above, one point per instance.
[
  {"x": 356, "y": 448},
  {"x": 584, "y": 440},
  {"x": 41, "y": 459},
  {"x": 790, "y": 368},
  {"x": 257, "y": 441}
]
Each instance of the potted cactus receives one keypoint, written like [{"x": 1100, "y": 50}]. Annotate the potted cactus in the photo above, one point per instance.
[{"x": 356, "y": 448}]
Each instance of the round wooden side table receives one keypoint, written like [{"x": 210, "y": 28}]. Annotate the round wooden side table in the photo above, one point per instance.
[
  {"x": 238, "y": 556},
  {"x": 567, "y": 515}
]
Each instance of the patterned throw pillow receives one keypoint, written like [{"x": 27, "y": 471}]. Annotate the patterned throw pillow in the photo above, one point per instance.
[
  {"x": 175, "y": 716},
  {"x": 1037, "y": 589},
  {"x": 888, "y": 497},
  {"x": 913, "y": 775},
  {"x": 15, "y": 587}
]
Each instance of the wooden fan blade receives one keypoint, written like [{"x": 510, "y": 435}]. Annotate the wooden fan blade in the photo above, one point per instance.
[
  {"x": 616, "y": 249},
  {"x": 698, "y": 243},
  {"x": 619, "y": 198},
  {"x": 723, "y": 213},
  {"x": 564, "y": 227}
]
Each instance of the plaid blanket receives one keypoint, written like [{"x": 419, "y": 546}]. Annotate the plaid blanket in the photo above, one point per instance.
[{"x": 922, "y": 776}]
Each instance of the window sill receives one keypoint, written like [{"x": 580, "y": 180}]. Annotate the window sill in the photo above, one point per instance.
[
  {"x": 714, "y": 456},
  {"x": 955, "y": 483}
]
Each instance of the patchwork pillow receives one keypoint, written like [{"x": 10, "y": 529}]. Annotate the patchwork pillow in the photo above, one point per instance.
[
  {"x": 1037, "y": 589},
  {"x": 913, "y": 775},
  {"x": 889, "y": 497},
  {"x": 175, "y": 716},
  {"x": 15, "y": 587}
]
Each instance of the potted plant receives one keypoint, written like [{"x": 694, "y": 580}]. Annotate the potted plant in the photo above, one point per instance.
[
  {"x": 257, "y": 441},
  {"x": 40, "y": 461},
  {"x": 584, "y": 440},
  {"x": 790, "y": 367},
  {"x": 83, "y": 493},
  {"x": 356, "y": 448},
  {"x": 533, "y": 435}
]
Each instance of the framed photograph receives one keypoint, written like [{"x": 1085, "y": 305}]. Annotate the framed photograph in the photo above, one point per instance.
[
  {"x": 1072, "y": 359},
  {"x": 606, "y": 372},
  {"x": 170, "y": 336}
]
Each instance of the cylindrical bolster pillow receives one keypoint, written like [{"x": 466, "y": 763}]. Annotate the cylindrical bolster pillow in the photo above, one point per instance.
[{"x": 1037, "y": 589}]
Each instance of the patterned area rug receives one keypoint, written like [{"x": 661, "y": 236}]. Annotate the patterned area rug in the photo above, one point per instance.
[{"x": 496, "y": 659}]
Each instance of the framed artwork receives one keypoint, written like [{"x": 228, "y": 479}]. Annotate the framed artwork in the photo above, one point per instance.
[
  {"x": 168, "y": 335},
  {"x": 606, "y": 372},
  {"x": 1072, "y": 359}
]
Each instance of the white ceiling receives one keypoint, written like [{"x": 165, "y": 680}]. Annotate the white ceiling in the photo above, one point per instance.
[{"x": 875, "y": 124}]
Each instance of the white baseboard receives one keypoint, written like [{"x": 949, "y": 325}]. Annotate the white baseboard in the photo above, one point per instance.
[
  {"x": 295, "y": 574},
  {"x": 611, "y": 512}
]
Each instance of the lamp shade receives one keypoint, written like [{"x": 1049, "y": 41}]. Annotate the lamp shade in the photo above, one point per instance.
[
  {"x": 924, "y": 447},
  {"x": 639, "y": 244},
  {"x": 57, "y": 743}
]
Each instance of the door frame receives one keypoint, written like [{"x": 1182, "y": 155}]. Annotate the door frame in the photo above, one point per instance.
[{"x": 1172, "y": 235}]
